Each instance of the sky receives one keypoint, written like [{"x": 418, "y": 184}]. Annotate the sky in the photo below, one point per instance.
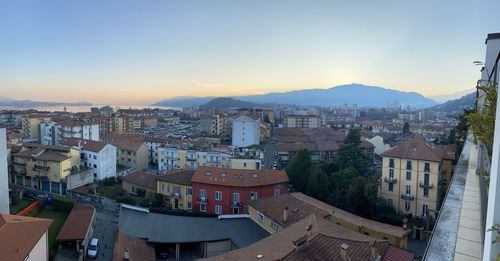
[{"x": 139, "y": 52}]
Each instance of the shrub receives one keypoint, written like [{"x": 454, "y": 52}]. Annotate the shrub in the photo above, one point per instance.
[{"x": 63, "y": 205}]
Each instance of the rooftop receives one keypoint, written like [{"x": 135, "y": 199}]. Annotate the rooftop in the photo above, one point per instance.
[
  {"x": 77, "y": 224},
  {"x": 19, "y": 234},
  {"x": 90, "y": 145},
  {"x": 182, "y": 177},
  {"x": 143, "y": 179},
  {"x": 414, "y": 148},
  {"x": 138, "y": 249},
  {"x": 238, "y": 177}
]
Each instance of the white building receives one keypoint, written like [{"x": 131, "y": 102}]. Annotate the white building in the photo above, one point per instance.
[
  {"x": 4, "y": 179},
  {"x": 96, "y": 155},
  {"x": 246, "y": 131},
  {"x": 55, "y": 132}
]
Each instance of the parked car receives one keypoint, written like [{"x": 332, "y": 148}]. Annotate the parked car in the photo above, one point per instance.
[{"x": 93, "y": 248}]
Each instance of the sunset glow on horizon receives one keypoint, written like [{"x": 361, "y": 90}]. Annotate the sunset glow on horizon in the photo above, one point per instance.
[{"x": 129, "y": 52}]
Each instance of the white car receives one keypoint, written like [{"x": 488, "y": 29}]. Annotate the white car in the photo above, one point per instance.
[{"x": 94, "y": 246}]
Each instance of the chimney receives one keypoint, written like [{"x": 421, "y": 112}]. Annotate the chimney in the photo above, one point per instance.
[
  {"x": 126, "y": 255},
  {"x": 343, "y": 252},
  {"x": 373, "y": 250},
  {"x": 285, "y": 214}
]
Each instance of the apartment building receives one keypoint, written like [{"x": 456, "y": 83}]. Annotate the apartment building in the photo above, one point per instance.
[
  {"x": 131, "y": 150},
  {"x": 140, "y": 184},
  {"x": 176, "y": 186},
  {"x": 246, "y": 132},
  {"x": 4, "y": 178},
  {"x": 99, "y": 156},
  {"x": 276, "y": 213},
  {"x": 55, "y": 132},
  {"x": 412, "y": 178},
  {"x": 45, "y": 167},
  {"x": 177, "y": 158},
  {"x": 30, "y": 126},
  {"x": 154, "y": 144},
  {"x": 24, "y": 238},
  {"x": 123, "y": 124},
  {"x": 302, "y": 121},
  {"x": 227, "y": 191}
]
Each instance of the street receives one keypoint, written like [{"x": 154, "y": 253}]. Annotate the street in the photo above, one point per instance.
[
  {"x": 269, "y": 158},
  {"x": 105, "y": 229}
]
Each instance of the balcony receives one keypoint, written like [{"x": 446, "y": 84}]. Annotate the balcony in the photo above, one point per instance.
[
  {"x": 176, "y": 195},
  {"x": 19, "y": 163},
  {"x": 190, "y": 159},
  {"x": 407, "y": 197},
  {"x": 236, "y": 204},
  {"x": 203, "y": 200},
  {"x": 390, "y": 180},
  {"x": 428, "y": 186},
  {"x": 40, "y": 168}
]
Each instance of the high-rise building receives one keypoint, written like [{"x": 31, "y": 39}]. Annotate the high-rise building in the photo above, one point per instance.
[{"x": 4, "y": 181}]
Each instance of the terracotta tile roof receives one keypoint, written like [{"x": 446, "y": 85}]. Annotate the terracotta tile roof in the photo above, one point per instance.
[
  {"x": 304, "y": 205},
  {"x": 82, "y": 189},
  {"x": 238, "y": 177},
  {"x": 77, "y": 225},
  {"x": 182, "y": 177},
  {"x": 47, "y": 153},
  {"x": 19, "y": 234},
  {"x": 124, "y": 142},
  {"x": 138, "y": 249},
  {"x": 313, "y": 238},
  {"x": 447, "y": 152},
  {"x": 142, "y": 179},
  {"x": 90, "y": 145},
  {"x": 415, "y": 148},
  {"x": 314, "y": 139}
]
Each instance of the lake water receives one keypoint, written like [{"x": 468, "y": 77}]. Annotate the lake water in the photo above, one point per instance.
[{"x": 85, "y": 108}]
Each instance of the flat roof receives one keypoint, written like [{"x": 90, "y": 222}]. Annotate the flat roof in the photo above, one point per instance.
[
  {"x": 160, "y": 228},
  {"x": 77, "y": 224}
]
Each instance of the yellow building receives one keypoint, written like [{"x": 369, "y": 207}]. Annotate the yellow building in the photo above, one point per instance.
[
  {"x": 140, "y": 184},
  {"x": 131, "y": 151},
  {"x": 44, "y": 167},
  {"x": 275, "y": 213},
  {"x": 175, "y": 185},
  {"x": 176, "y": 158},
  {"x": 412, "y": 177},
  {"x": 30, "y": 126}
]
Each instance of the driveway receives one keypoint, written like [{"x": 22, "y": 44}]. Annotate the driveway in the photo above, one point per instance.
[{"x": 106, "y": 229}]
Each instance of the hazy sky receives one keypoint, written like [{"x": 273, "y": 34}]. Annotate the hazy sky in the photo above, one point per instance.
[{"x": 143, "y": 51}]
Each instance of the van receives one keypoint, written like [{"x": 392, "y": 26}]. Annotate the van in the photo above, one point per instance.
[{"x": 93, "y": 247}]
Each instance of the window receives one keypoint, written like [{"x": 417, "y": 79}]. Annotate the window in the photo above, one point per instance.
[
  {"x": 203, "y": 193},
  {"x": 95, "y": 166},
  {"x": 391, "y": 174},
  {"x": 408, "y": 164},
  {"x": 407, "y": 205},
  {"x": 133, "y": 189},
  {"x": 218, "y": 209},
  {"x": 426, "y": 192},
  {"x": 189, "y": 191},
  {"x": 391, "y": 186},
  {"x": 408, "y": 175},
  {"x": 203, "y": 207},
  {"x": 244, "y": 164},
  {"x": 391, "y": 163},
  {"x": 260, "y": 217},
  {"x": 254, "y": 195},
  {"x": 425, "y": 209},
  {"x": 218, "y": 195},
  {"x": 427, "y": 167},
  {"x": 95, "y": 156},
  {"x": 408, "y": 189},
  {"x": 274, "y": 225},
  {"x": 390, "y": 202},
  {"x": 426, "y": 178},
  {"x": 164, "y": 187},
  {"x": 189, "y": 205},
  {"x": 177, "y": 189},
  {"x": 236, "y": 197},
  {"x": 277, "y": 190}
]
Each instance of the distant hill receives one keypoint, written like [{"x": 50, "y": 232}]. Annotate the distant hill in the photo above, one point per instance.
[
  {"x": 458, "y": 105},
  {"x": 362, "y": 95},
  {"x": 7, "y": 102},
  {"x": 227, "y": 102},
  {"x": 448, "y": 97}
]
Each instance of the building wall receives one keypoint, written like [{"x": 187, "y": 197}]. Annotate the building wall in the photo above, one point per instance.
[
  {"x": 174, "y": 158},
  {"x": 246, "y": 164},
  {"x": 132, "y": 189},
  {"x": 40, "y": 251},
  {"x": 103, "y": 162},
  {"x": 246, "y": 132},
  {"x": 417, "y": 191},
  {"x": 266, "y": 221},
  {"x": 134, "y": 159},
  {"x": 227, "y": 192},
  {"x": 4, "y": 179},
  {"x": 167, "y": 189}
]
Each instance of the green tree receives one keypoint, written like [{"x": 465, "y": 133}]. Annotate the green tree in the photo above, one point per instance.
[
  {"x": 339, "y": 184},
  {"x": 329, "y": 167},
  {"x": 461, "y": 130},
  {"x": 452, "y": 137},
  {"x": 318, "y": 185},
  {"x": 351, "y": 155},
  {"x": 482, "y": 121},
  {"x": 299, "y": 170},
  {"x": 406, "y": 128}
]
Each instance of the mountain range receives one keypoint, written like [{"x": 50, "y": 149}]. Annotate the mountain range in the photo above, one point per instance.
[
  {"x": 457, "y": 106},
  {"x": 363, "y": 95},
  {"x": 8, "y": 102}
]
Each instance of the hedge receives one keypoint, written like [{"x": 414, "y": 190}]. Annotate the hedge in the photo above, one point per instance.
[{"x": 62, "y": 205}]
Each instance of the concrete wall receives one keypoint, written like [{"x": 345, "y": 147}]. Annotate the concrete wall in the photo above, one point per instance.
[
  {"x": 41, "y": 250},
  {"x": 4, "y": 179}
]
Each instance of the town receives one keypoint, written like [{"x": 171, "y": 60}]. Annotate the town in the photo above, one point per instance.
[{"x": 213, "y": 170}]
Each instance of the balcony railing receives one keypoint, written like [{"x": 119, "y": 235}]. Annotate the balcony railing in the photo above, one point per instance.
[
  {"x": 429, "y": 186},
  {"x": 235, "y": 204},
  {"x": 203, "y": 200},
  {"x": 191, "y": 159},
  {"x": 407, "y": 197},
  {"x": 19, "y": 163},
  {"x": 42, "y": 168},
  {"x": 176, "y": 195},
  {"x": 390, "y": 180}
]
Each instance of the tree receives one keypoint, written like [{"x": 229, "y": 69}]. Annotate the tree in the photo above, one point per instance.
[
  {"x": 318, "y": 185},
  {"x": 299, "y": 170},
  {"x": 452, "y": 137},
  {"x": 482, "y": 121},
  {"x": 339, "y": 184},
  {"x": 406, "y": 128},
  {"x": 351, "y": 154}
]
